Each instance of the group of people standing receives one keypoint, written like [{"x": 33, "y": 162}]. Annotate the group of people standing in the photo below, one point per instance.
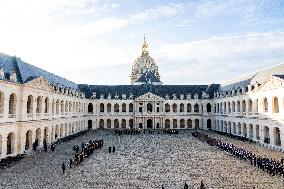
[
  {"x": 127, "y": 132},
  {"x": 272, "y": 166},
  {"x": 86, "y": 150},
  {"x": 149, "y": 131}
]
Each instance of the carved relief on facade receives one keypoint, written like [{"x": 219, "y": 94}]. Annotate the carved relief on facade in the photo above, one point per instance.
[
  {"x": 272, "y": 83},
  {"x": 150, "y": 96},
  {"x": 40, "y": 83}
]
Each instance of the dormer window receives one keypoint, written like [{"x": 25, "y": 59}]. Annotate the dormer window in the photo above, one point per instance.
[
  {"x": 13, "y": 76},
  {"x": 1, "y": 73}
]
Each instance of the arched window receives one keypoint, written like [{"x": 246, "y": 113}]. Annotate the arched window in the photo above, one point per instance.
[
  {"x": 181, "y": 107},
  {"x": 116, "y": 108},
  {"x": 167, "y": 124},
  {"x": 39, "y": 105},
  {"x": 57, "y": 107},
  {"x": 234, "y": 106},
  {"x": 12, "y": 104},
  {"x": 249, "y": 105},
  {"x": 209, "y": 124},
  {"x": 108, "y": 123},
  {"x": 167, "y": 107},
  {"x": 174, "y": 123},
  {"x": 174, "y": 108},
  {"x": 238, "y": 106},
  {"x": 10, "y": 143},
  {"x": 108, "y": 108},
  {"x": 116, "y": 123},
  {"x": 30, "y": 104},
  {"x": 90, "y": 108},
  {"x": 62, "y": 106},
  {"x": 101, "y": 123},
  {"x": 266, "y": 135},
  {"x": 182, "y": 123},
  {"x": 257, "y": 132},
  {"x": 53, "y": 107},
  {"x": 277, "y": 136},
  {"x": 189, "y": 123},
  {"x": 70, "y": 106},
  {"x": 149, "y": 107},
  {"x": 244, "y": 104},
  {"x": 124, "y": 107},
  {"x": 196, "y": 123},
  {"x": 188, "y": 108},
  {"x": 102, "y": 108},
  {"x": 265, "y": 105},
  {"x": 28, "y": 144},
  {"x": 66, "y": 106},
  {"x": 275, "y": 105},
  {"x": 208, "y": 107},
  {"x": 130, "y": 107},
  {"x": 123, "y": 123},
  {"x": 46, "y": 105},
  {"x": 131, "y": 125},
  {"x": 196, "y": 108}
]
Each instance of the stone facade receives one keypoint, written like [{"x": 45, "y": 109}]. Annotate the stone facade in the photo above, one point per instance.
[
  {"x": 36, "y": 111},
  {"x": 255, "y": 112},
  {"x": 36, "y": 105}
]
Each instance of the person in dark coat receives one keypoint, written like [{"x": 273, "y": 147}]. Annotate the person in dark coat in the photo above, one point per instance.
[
  {"x": 63, "y": 167},
  {"x": 109, "y": 149},
  {"x": 71, "y": 162},
  {"x": 202, "y": 185},
  {"x": 113, "y": 149},
  {"x": 185, "y": 186},
  {"x": 52, "y": 147}
]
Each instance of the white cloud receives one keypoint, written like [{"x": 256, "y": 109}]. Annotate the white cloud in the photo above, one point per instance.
[{"x": 220, "y": 58}]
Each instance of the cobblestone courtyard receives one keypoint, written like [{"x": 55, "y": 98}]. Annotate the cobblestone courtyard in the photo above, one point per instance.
[{"x": 140, "y": 161}]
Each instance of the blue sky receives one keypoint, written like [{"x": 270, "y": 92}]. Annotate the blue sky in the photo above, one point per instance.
[{"x": 97, "y": 41}]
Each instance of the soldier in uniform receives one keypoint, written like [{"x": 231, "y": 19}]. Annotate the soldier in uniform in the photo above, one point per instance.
[
  {"x": 185, "y": 186},
  {"x": 63, "y": 167}
]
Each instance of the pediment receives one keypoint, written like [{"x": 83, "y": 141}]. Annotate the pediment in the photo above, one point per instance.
[
  {"x": 150, "y": 96},
  {"x": 40, "y": 83},
  {"x": 272, "y": 83}
]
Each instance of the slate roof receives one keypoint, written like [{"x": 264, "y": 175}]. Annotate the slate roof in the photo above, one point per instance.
[
  {"x": 279, "y": 76},
  {"x": 258, "y": 77},
  {"x": 138, "y": 90},
  {"x": 26, "y": 72},
  {"x": 148, "y": 77}
]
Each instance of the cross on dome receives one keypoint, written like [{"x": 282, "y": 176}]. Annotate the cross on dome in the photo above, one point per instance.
[{"x": 145, "y": 47}]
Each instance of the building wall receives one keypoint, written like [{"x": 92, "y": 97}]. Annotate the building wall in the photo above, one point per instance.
[
  {"x": 29, "y": 112},
  {"x": 256, "y": 114}
]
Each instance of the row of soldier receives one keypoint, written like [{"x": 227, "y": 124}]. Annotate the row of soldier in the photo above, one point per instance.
[
  {"x": 86, "y": 150},
  {"x": 150, "y": 131},
  {"x": 127, "y": 132},
  {"x": 272, "y": 166},
  {"x": 202, "y": 186}
]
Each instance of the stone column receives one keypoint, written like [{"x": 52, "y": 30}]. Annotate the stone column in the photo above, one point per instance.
[
  {"x": 281, "y": 108},
  {"x": 269, "y": 101},
  {"x": 4, "y": 146},
  {"x": 34, "y": 104},
  {"x": 271, "y": 136},
  {"x": 282, "y": 138}
]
